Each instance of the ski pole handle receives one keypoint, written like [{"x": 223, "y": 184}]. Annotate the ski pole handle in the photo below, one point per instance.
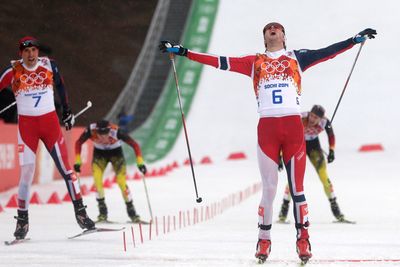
[{"x": 88, "y": 105}]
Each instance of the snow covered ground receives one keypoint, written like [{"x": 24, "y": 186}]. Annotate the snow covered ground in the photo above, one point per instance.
[{"x": 222, "y": 120}]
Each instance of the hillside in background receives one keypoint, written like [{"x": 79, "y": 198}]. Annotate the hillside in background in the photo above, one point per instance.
[{"x": 95, "y": 43}]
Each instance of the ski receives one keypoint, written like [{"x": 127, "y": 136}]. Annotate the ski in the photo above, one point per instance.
[
  {"x": 114, "y": 222},
  {"x": 16, "y": 241},
  {"x": 344, "y": 221},
  {"x": 96, "y": 230},
  {"x": 139, "y": 222},
  {"x": 106, "y": 222}
]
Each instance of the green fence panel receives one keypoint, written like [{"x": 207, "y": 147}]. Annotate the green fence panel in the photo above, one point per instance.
[{"x": 158, "y": 133}]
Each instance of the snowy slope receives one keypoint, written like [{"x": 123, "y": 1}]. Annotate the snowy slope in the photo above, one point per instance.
[{"x": 222, "y": 120}]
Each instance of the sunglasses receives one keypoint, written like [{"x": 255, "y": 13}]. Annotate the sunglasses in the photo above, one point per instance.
[
  {"x": 28, "y": 43},
  {"x": 275, "y": 25}
]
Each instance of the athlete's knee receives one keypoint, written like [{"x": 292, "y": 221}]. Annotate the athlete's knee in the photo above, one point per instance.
[
  {"x": 299, "y": 198},
  {"x": 269, "y": 190},
  {"x": 121, "y": 181},
  {"x": 27, "y": 173}
]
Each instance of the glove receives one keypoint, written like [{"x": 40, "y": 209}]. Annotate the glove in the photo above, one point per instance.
[
  {"x": 77, "y": 167},
  {"x": 142, "y": 168},
  {"x": 68, "y": 119},
  {"x": 363, "y": 35},
  {"x": 140, "y": 164},
  {"x": 280, "y": 165},
  {"x": 177, "y": 49},
  {"x": 331, "y": 155}
]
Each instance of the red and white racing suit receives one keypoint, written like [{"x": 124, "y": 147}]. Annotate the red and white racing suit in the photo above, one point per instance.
[
  {"x": 277, "y": 86},
  {"x": 37, "y": 120}
]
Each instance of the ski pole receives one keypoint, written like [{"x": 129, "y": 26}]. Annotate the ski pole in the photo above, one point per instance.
[
  {"x": 147, "y": 196},
  {"x": 347, "y": 81},
  {"x": 178, "y": 91},
  {"x": 88, "y": 105},
  {"x": 9, "y": 106}
]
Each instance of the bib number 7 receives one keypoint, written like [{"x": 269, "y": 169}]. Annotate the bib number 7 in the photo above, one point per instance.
[{"x": 38, "y": 97}]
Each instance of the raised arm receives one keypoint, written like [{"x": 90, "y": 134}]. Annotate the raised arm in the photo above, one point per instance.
[
  {"x": 243, "y": 65},
  {"x": 308, "y": 58}
]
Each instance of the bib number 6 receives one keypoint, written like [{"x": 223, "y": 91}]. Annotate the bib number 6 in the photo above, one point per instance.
[{"x": 276, "y": 97}]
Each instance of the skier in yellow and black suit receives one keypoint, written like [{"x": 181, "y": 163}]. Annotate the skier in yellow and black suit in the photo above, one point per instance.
[
  {"x": 107, "y": 138},
  {"x": 314, "y": 123}
]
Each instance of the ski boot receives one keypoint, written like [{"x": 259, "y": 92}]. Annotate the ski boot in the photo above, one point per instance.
[
  {"x": 303, "y": 248},
  {"x": 103, "y": 212},
  {"x": 81, "y": 216},
  {"x": 22, "y": 227},
  {"x": 336, "y": 210},
  {"x": 135, "y": 218},
  {"x": 263, "y": 249},
  {"x": 284, "y": 211}
]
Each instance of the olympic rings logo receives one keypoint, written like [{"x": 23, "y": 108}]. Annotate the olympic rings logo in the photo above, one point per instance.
[
  {"x": 33, "y": 78},
  {"x": 275, "y": 66}
]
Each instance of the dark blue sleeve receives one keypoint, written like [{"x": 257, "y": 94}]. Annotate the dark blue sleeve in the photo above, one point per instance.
[
  {"x": 308, "y": 58},
  {"x": 59, "y": 86},
  {"x": 5, "y": 77}
]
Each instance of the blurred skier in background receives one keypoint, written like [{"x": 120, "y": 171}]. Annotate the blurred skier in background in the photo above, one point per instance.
[
  {"x": 107, "y": 138},
  {"x": 314, "y": 123},
  {"x": 33, "y": 80},
  {"x": 124, "y": 120},
  {"x": 276, "y": 76}
]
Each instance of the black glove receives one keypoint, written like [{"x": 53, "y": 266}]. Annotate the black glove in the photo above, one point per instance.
[
  {"x": 177, "y": 49},
  {"x": 331, "y": 155},
  {"x": 77, "y": 167},
  {"x": 142, "y": 168},
  {"x": 68, "y": 119},
  {"x": 363, "y": 35},
  {"x": 280, "y": 165}
]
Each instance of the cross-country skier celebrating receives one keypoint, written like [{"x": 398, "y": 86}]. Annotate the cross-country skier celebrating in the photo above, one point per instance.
[
  {"x": 276, "y": 76},
  {"x": 107, "y": 148},
  {"x": 33, "y": 80},
  {"x": 314, "y": 123}
]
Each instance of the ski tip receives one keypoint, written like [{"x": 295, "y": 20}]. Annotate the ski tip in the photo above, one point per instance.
[
  {"x": 15, "y": 241},
  {"x": 96, "y": 230}
]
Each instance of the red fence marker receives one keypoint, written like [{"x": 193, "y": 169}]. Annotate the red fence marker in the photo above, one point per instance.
[
  {"x": 141, "y": 233},
  {"x": 35, "y": 199},
  {"x": 237, "y": 155},
  {"x": 13, "y": 202},
  {"x": 133, "y": 237},
  {"x": 370, "y": 148},
  {"x": 124, "y": 240},
  {"x": 54, "y": 199}
]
